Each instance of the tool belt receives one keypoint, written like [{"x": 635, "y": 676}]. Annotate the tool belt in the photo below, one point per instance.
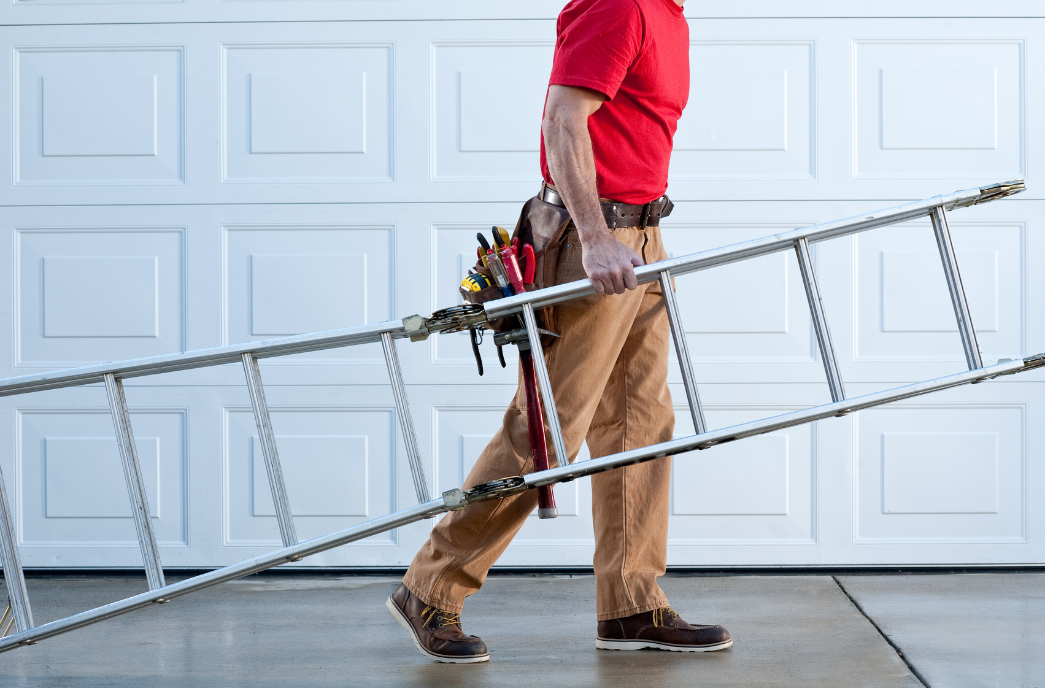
[
  {"x": 619, "y": 214},
  {"x": 545, "y": 223}
]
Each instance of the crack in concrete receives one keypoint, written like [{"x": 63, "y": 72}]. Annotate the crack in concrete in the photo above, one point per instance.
[{"x": 896, "y": 648}]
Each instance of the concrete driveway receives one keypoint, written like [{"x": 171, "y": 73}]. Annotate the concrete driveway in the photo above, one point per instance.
[{"x": 328, "y": 630}]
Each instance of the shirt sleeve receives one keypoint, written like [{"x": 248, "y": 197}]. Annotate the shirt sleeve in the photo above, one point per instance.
[{"x": 596, "y": 49}]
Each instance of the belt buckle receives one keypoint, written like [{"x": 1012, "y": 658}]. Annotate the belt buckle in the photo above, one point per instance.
[{"x": 645, "y": 214}]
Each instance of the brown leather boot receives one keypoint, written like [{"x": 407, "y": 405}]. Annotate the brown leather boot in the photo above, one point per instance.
[
  {"x": 436, "y": 633},
  {"x": 660, "y": 629}
]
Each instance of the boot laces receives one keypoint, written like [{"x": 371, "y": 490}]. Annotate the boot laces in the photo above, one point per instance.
[
  {"x": 445, "y": 618},
  {"x": 658, "y": 615}
]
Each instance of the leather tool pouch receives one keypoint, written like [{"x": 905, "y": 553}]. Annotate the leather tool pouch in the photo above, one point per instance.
[{"x": 544, "y": 226}]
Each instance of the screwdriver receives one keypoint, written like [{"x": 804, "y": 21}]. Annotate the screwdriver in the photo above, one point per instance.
[
  {"x": 499, "y": 273},
  {"x": 511, "y": 266}
]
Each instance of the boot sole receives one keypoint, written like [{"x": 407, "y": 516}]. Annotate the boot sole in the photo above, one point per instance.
[
  {"x": 651, "y": 645},
  {"x": 401, "y": 619}
]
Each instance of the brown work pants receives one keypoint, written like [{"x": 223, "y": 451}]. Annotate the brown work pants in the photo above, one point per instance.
[{"x": 609, "y": 376}]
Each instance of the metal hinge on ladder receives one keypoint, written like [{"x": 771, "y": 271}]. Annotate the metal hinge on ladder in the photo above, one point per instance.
[
  {"x": 453, "y": 319},
  {"x": 4, "y": 630}
]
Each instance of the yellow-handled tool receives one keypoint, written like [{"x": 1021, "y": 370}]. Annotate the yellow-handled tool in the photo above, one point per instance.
[{"x": 501, "y": 237}]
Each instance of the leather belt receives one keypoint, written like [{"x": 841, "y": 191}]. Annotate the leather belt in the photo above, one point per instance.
[{"x": 620, "y": 214}]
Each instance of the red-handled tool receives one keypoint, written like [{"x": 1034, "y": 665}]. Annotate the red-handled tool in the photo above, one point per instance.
[
  {"x": 531, "y": 263},
  {"x": 511, "y": 266},
  {"x": 538, "y": 443}
]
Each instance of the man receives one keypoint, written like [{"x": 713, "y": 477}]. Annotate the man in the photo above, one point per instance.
[{"x": 619, "y": 82}]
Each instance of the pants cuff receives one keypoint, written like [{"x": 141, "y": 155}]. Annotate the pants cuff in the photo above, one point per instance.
[
  {"x": 631, "y": 611},
  {"x": 430, "y": 598}
]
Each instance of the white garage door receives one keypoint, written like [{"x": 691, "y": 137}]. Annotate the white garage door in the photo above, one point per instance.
[{"x": 186, "y": 175}]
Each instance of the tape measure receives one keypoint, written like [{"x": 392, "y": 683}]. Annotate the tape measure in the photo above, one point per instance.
[{"x": 476, "y": 282}]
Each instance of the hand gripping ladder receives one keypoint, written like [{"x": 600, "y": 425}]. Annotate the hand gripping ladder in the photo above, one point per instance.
[{"x": 462, "y": 317}]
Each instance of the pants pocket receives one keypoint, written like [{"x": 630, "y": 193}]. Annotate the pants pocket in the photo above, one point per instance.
[{"x": 568, "y": 268}]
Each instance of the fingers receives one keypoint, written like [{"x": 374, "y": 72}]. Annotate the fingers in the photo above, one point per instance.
[
  {"x": 613, "y": 280},
  {"x": 634, "y": 261},
  {"x": 608, "y": 280},
  {"x": 611, "y": 266},
  {"x": 629, "y": 278}
]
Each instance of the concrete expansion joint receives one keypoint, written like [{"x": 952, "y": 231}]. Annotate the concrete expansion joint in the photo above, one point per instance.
[{"x": 886, "y": 638}]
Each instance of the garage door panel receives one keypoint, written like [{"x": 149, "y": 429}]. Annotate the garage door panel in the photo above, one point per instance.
[
  {"x": 488, "y": 100},
  {"x": 749, "y": 312},
  {"x": 905, "y": 331},
  {"x": 751, "y": 113},
  {"x": 282, "y": 280},
  {"x": 905, "y": 311},
  {"x": 941, "y": 474},
  {"x": 338, "y": 466},
  {"x": 94, "y": 293},
  {"x": 759, "y": 490},
  {"x": 100, "y": 116},
  {"x": 296, "y": 113},
  {"x": 73, "y": 492},
  {"x": 903, "y": 88}
]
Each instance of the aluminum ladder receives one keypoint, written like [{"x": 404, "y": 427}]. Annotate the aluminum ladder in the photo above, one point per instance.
[{"x": 418, "y": 328}]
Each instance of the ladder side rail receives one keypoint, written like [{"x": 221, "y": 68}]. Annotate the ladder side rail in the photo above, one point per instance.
[
  {"x": 678, "y": 335},
  {"x": 451, "y": 501},
  {"x": 962, "y": 314},
  {"x": 267, "y": 440},
  {"x": 759, "y": 427},
  {"x": 202, "y": 358},
  {"x": 816, "y": 309},
  {"x": 11, "y": 561},
  {"x": 551, "y": 413},
  {"x": 132, "y": 473},
  {"x": 406, "y": 420}
]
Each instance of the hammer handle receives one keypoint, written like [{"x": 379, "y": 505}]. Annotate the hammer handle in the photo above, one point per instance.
[{"x": 538, "y": 442}]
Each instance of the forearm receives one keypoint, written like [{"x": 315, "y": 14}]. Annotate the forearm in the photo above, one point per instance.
[
  {"x": 572, "y": 164},
  {"x": 571, "y": 160}
]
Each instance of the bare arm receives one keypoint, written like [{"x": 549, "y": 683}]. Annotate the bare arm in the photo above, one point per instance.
[{"x": 608, "y": 263}]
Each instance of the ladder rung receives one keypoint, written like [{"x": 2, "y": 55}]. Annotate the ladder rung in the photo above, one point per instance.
[
  {"x": 957, "y": 290},
  {"x": 816, "y": 309},
  {"x": 14, "y": 577},
  {"x": 413, "y": 452},
  {"x": 132, "y": 472},
  {"x": 544, "y": 382},
  {"x": 678, "y": 334},
  {"x": 267, "y": 439}
]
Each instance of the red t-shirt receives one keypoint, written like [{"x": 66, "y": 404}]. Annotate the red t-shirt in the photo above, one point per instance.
[{"x": 636, "y": 52}]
